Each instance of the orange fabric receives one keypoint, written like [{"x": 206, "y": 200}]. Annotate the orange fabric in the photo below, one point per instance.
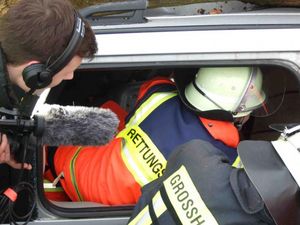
[
  {"x": 100, "y": 173},
  {"x": 117, "y": 109},
  {"x": 155, "y": 81},
  {"x": 48, "y": 175},
  {"x": 222, "y": 131},
  {"x": 62, "y": 160},
  {"x": 54, "y": 195}
]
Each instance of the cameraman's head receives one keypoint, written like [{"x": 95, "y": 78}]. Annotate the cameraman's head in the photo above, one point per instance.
[{"x": 38, "y": 32}]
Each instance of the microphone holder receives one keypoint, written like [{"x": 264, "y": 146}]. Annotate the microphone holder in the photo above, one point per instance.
[{"x": 17, "y": 126}]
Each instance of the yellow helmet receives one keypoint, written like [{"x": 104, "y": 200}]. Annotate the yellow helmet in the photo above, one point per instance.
[{"x": 234, "y": 89}]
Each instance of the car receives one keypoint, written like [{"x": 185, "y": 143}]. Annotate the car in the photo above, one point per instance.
[{"x": 139, "y": 43}]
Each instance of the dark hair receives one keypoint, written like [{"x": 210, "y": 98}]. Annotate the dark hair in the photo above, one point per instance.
[{"x": 41, "y": 29}]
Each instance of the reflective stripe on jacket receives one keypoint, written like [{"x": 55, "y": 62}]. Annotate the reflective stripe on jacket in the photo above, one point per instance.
[
  {"x": 96, "y": 173},
  {"x": 114, "y": 173},
  {"x": 200, "y": 187}
]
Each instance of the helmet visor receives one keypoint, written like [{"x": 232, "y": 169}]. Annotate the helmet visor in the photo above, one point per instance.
[{"x": 263, "y": 95}]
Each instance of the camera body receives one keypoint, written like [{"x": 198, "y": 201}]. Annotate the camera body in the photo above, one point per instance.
[{"x": 17, "y": 126}]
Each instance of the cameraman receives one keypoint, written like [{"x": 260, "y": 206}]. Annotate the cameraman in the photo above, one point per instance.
[{"x": 33, "y": 35}]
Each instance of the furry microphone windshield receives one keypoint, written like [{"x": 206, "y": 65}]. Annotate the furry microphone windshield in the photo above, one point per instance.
[{"x": 77, "y": 125}]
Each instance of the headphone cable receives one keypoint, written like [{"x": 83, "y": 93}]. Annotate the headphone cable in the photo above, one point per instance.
[{"x": 10, "y": 195}]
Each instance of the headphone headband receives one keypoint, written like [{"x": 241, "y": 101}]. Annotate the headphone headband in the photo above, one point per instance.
[
  {"x": 38, "y": 75},
  {"x": 69, "y": 52}
]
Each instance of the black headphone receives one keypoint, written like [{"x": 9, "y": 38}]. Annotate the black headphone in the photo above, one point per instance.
[{"x": 39, "y": 75}]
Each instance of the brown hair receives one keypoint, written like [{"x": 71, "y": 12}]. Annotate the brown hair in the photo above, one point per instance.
[{"x": 40, "y": 29}]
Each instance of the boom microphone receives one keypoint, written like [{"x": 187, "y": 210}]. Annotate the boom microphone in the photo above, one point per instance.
[{"x": 77, "y": 125}]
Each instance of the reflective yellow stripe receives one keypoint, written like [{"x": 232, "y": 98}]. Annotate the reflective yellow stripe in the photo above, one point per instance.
[
  {"x": 49, "y": 187},
  {"x": 158, "y": 204},
  {"x": 57, "y": 189},
  {"x": 238, "y": 163},
  {"x": 141, "y": 156},
  {"x": 186, "y": 200},
  {"x": 72, "y": 172},
  {"x": 143, "y": 218},
  {"x": 148, "y": 106}
]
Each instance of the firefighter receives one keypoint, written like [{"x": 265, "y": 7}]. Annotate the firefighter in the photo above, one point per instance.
[
  {"x": 201, "y": 187},
  {"x": 165, "y": 116}
]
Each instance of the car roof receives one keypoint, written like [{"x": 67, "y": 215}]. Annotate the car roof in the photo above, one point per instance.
[
  {"x": 285, "y": 17},
  {"x": 266, "y": 36}
]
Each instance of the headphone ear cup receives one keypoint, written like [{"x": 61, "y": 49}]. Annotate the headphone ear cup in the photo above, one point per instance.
[
  {"x": 45, "y": 78},
  {"x": 36, "y": 76}
]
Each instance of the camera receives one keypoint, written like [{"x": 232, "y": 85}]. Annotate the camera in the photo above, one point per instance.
[{"x": 18, "y": 125}]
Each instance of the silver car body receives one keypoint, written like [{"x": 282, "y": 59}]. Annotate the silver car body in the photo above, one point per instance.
[{"x": 267, "y": 37}]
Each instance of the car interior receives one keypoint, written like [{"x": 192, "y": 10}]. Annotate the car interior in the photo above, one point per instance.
[{"x": 94, "y": 87}]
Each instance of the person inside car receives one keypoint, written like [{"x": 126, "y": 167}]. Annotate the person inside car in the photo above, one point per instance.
[
  {"x": 40, "y": 48},
  {"x": 166, "y": 115},
  {"x": 200, "y": 186}
]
